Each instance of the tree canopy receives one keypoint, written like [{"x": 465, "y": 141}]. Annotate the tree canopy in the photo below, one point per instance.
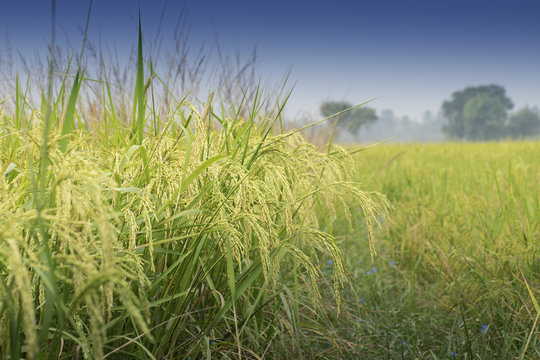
[
  {"x": 351, "y": 120},
  {"x": 524, "y": 123},
  {"x": 477, "y": 113}
]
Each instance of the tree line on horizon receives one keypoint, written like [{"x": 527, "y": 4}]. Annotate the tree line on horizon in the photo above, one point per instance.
[{"x": 476, "y": 113}]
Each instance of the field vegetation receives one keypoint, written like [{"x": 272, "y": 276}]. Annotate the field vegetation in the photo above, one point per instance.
[
  {"x": 180, "y": 234},
  {"x": 137, "y": 223},
  {"x": 457, "y": 275}
]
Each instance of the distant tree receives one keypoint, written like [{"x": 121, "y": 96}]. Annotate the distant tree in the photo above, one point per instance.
[
  {"x": 476, "y": 113},
  {"x": 387, "y": 118},
  {"x": 484, "y": 117},
  {"x": 351, "y": 120},
  {"x": 524, "y": 123}
]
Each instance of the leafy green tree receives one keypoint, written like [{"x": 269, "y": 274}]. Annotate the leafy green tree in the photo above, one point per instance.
[
  {"x": 351, "y": 120},
  {"x": 524, "y": 123},
  {"x": 484, "y": 117},
  {"x": 476, "y": 113}
]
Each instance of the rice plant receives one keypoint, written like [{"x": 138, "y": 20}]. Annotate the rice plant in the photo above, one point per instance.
[
  {"x": 457, "y": 273},
  {"x": 183, "y": 234}
]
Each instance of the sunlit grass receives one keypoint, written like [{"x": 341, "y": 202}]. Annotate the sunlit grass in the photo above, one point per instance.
[
  {"x": 156, "y": 228},
  {"x": 458, "y": 265},
  {"x": 181, "y": 235}
]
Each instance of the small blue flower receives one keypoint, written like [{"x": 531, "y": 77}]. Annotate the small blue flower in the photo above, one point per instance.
[
  {"x": 211, "y": 342},
  {"x": 404, "y": 342},
  {"x": 484, "y": 329},
  {"x": 362, "y": 301},
  {"x": 347, "y": 307},
  {"x": 392, "y": 263},
  {"x": 360, "y": 320},
  {"x": 329, "y": 263},
  {"x": 358, "y": 261},
  {"x": 379, "y": 218},
  {"x": 368, "y": 272},
  {"x": 452, "y": 354},
  {"x": 374, "y": 270}
]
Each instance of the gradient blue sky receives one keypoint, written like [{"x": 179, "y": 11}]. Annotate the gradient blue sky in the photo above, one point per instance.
[{"x": 410, "y": 54}]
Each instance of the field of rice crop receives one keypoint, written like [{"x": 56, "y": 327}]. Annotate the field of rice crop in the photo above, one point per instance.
[
  {"x": 213, "y": 233},
  {"x": 186, "y": 234},
  {"x": 457, "y": 274}
]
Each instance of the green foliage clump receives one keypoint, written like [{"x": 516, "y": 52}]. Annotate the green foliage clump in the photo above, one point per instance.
[
  {"x": 525, "y": 123},
  {"x": 352, "y": 120},
  {"x": 476, "y": 113},
  {"x": 481, "y": 113},
  {"x": 484, "y": 117},
  {"x": 126, "y": 242},
  {"x": 165, "y": 232}
]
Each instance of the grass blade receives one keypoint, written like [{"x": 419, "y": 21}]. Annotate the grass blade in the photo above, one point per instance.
[{"x": 139, "y": 103}]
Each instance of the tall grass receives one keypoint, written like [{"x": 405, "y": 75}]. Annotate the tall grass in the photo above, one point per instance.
[
  {"x": 458, "y": 267},
  {"x": 183, "y": 234}
]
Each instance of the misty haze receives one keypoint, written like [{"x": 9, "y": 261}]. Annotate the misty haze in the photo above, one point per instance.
[{"x": 269, "y": 180}]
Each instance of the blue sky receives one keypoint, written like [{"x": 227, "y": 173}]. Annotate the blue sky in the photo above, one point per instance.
[{"x": 411, "y": 55}]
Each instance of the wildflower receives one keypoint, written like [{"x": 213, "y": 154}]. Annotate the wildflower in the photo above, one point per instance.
[
  {"x": 452, "y": 354},
  {"x": 484, "y": 328},
  {"x": 374, "y": 270},
  {"x": 358, "y": 261},
  {"x": 362, "y": 301},
  {"x": 368, "y": 272},
  {"x": 329, "y": 263},
  {"x": 211, "y": 342},
  {"x": 379, "y": 218},
  {"x": 392, "y": 263},
  {"x": 404, "y": 342},
  {"x": 347, "y": 307}
]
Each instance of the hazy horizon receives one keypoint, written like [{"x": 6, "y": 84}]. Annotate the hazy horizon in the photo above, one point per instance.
[{"x": 410, "y": 56}]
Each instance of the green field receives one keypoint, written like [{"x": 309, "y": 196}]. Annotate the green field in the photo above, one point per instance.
[
  {"x": 458, "y": 266},
  {"x": 177, "y": 231},
  {"x": 186, "y": 235}
]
